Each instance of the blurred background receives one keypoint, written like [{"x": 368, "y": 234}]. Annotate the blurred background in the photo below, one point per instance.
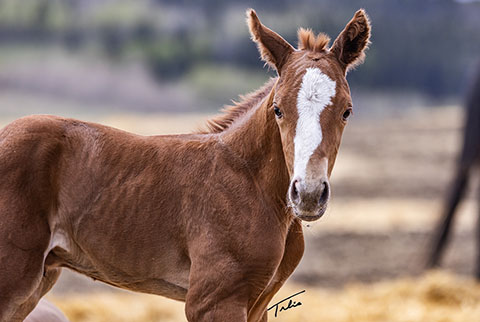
[{"x": 164, "y": 66}]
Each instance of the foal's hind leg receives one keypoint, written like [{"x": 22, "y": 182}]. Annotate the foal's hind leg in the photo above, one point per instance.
[
  {"x": 24, "y": 237},
  {"x": 20, "y": 279},
  {"x": 48, "y": 280}
]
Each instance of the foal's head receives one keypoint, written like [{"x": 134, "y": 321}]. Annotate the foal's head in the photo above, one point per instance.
[{"x": 311, "y": 104}]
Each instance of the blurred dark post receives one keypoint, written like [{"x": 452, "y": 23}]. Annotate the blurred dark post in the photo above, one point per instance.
[{"x": 469, "y": 158}]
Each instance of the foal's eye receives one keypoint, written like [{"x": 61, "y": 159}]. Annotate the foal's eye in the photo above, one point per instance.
[
  {"x": 346, "y": 114},
  {"x": 277, "y": 111}
]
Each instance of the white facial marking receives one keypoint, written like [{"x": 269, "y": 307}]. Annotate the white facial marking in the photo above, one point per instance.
[{"x": 314, "y": 95}]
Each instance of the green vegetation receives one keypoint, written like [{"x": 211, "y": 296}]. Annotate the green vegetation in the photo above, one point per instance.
[
  {"x": 424, "y": 46},
  {"x": 214, "y": 82}
]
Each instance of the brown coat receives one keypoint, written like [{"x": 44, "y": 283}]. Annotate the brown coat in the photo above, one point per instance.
[{"x": 201, "y": 218}]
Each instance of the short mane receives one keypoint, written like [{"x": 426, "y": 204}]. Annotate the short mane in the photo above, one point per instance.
[
  {"x": 232, "y": 112},
  {"x": 308, "y": 41}
]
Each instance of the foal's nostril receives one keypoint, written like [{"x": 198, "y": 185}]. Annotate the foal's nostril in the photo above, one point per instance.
[
  {"x": 325, "y": 193},
  {"x": 294, "y": 191}
]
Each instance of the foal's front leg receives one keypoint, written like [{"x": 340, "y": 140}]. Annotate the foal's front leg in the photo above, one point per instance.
[
  {"x": 222, "y": 289},
  {"x": 219, "y": 292},
  {"x": 294, "y": 248}
]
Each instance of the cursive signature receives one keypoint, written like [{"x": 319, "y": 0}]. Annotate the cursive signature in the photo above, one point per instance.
[{"x": 291, "y": 304}]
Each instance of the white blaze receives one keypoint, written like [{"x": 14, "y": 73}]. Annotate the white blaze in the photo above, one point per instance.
[{"x": 314, "y": 95}]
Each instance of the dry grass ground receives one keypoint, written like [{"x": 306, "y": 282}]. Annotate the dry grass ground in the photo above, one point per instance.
[{"x": 434, "y": 297}]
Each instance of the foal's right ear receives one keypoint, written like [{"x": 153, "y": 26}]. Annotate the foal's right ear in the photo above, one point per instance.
[{"x": 273, "y": 48}]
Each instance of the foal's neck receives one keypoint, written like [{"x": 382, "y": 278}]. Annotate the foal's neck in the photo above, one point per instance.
[{"x": 255, "y": 141}]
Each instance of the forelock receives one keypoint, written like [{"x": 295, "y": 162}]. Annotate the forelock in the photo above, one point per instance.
[{"x": 308, "y": 41}]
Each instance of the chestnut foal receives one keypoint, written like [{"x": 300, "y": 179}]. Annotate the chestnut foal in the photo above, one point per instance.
[{"x": 210, "y": 218}]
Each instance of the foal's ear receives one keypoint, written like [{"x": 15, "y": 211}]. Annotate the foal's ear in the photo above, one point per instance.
[
  {"x": 349, "y": 46},
  {"x": 273, "y": 48}
]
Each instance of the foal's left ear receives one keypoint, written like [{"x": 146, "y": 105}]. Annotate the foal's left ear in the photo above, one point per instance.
[
  {"x": 273, "y": 48},
  {"x": 350, "y": 45}
]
